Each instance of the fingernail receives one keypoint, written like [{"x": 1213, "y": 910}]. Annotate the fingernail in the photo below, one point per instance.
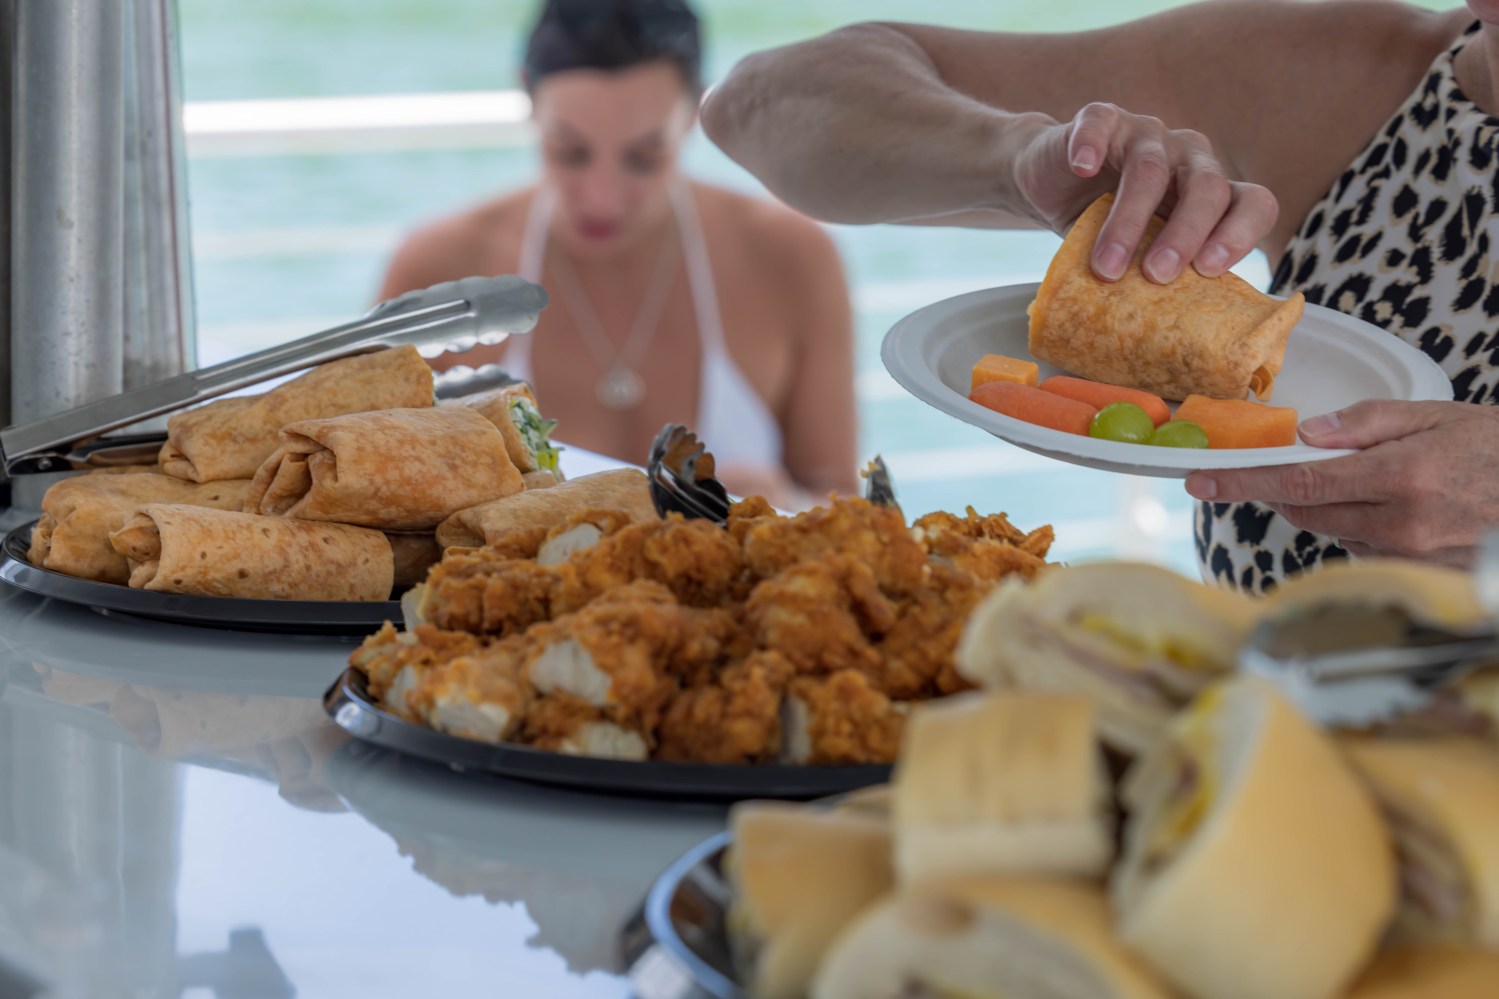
[
  {"x": 1086, "y": 159},
  {"x": 1165, "y": 265},
  {"x": 1203, "y": 487},
  {"x": 1213, "y": 260},
  {"x": 1112, "y": 261},
  {"x": 1320, "y": 426}
]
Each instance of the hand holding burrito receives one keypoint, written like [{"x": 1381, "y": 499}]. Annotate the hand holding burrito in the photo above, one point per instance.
[
  {"x": 231, "y": 438},
  {"x": 180, "y": 549},
  {"x": 394, "y": 469},
  {"x": 1217, "y": 337}
]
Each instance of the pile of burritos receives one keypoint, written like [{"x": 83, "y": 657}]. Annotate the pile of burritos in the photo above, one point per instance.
[{"x": 330, "y": 486}]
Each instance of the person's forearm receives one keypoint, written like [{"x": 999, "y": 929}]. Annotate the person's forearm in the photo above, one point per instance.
[{"x": 858, "y": 126}]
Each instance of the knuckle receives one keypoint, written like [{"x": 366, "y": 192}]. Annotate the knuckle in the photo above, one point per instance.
[
  {"x": 1193, "y": 139},
  {"x": 1258, "y": 199},
  {"x": 1098, "y": 113},
  {"x": 1149, "y": 162},
  {"x": 1208, "y": 185},
  {"x": 1302, "y": 485}
]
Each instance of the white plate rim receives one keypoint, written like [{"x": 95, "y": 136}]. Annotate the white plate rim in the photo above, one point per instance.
[{"x": 906, "y": 345}]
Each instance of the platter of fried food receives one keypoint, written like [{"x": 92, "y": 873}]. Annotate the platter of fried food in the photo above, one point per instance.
[
  {"x": 1041, "y": 839},
  {"x": 610, "y": 646},
  {"x": 309, "y": 507},
  {"x": 1056, "y": 367}
]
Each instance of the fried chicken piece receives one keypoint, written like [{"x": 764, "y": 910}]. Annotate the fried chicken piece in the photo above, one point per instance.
[
  {"x": 840, "y": 719},
  {"x": 855, "y": 528},
  {"x": 695, "y": 559},
  {"x": 483, "y": 695},
  {"x": 562, "y": 723},
  {"x": 612, "y": 653},
  {"x": 918, "y": 652},
  {"x": 988, "y": 547},
  {"x": 734, "y": 719},
  {"x": 821, "y": 615},
  {"x": 711, "y": 638},
  {"x": 485, "y": 594},
  {"x": 744, "y": 515},
  {"x": 396, "y": 661},
  {"x": 579, "y": 532}
]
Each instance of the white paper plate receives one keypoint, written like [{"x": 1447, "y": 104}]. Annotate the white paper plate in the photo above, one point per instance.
[{"x": 1332, "y": 361}]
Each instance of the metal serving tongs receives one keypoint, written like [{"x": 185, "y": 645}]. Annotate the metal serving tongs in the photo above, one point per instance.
[
  {"x": 1358, "y": 664},
  {"x": 681, "y": 476},
  {"x": 454, "y": 316}
]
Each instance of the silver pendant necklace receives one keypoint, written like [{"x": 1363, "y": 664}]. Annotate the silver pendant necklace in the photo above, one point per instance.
[{"x": 620, "y": 386}]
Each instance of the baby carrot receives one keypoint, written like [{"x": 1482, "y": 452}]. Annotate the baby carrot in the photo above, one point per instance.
[
  {"x": 1100, "y": 394},
  {"x": 1046, "y": 409}
]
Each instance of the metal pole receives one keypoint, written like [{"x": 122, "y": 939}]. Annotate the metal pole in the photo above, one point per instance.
[
  {"x": 67, "y": 197},
  {"x": 7, "y": 144},
  {"x": 7, "y": 122},
  {"x": 158, "y": 321}
]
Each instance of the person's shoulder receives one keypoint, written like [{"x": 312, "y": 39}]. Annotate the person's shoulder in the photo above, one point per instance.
[
  {"x": 771, "y": 233},
  {"x": 470, "y": 241},
  {"x": 473, "y": 229},
  {"x": 1385, "y": 29}
]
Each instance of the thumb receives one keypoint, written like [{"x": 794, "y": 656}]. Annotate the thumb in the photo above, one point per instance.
[{"x": 1371, "y": 422}]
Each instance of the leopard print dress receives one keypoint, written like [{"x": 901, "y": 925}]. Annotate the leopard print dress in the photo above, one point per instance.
[{"x": 1403, "y": 241}]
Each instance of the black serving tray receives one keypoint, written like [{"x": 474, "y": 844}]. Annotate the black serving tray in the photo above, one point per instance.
[
  {"x": 349, "y": 704},
  {"x": 294, "y": 617}
]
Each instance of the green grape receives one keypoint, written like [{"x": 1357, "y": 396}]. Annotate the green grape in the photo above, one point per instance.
[
  {"x": 1122, "y": 421},
  {"x": 1179, "y": 433}
]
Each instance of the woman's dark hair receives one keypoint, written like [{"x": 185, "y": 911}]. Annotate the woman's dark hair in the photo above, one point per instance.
[{"x": 614, "y": 34}]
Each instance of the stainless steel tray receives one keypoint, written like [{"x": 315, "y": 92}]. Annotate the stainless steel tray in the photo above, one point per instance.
[
  {"x": 349, "y": 704},
  {"x": 678, "y": 947},
  {"x": 291, "y": 617}
]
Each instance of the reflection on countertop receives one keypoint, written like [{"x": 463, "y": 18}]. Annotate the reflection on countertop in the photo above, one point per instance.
[
  {"x": 177, "y": 813},
  {"x": 574, "y": 864}
]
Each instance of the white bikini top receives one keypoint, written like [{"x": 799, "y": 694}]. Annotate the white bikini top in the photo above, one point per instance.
[{"x": 732, "y": 420}]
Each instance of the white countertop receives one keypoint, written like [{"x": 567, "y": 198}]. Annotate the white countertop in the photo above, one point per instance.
[{"x": 178, "y": 817}]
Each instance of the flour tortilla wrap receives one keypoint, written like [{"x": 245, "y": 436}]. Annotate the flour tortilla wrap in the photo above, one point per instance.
[
  {"x": 231, "y": 438},
  {"x": 183, "y": 549},
  {"x": 1217, "y": 337},
  {"x": 623, "y": 489},
  {"x": 414, "y": 554},
  {"x": 515, "y": 412},
  {"x": 79, "y": 514},
  {"x": 393, "y": 469}
]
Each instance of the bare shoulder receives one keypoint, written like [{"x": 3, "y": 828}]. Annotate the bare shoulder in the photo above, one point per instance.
[
  {"x": 482, "y": 239},
  {"x": 779, "y": 239}
]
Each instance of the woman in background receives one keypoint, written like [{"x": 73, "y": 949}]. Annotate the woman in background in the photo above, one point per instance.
[{"x": 671, "y": 300}]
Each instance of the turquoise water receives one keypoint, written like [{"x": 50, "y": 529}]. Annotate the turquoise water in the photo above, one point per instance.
[{"x": 288, "y": 244}]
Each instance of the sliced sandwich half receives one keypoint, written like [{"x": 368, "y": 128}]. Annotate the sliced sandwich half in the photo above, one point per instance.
[{"x": 1255, "y": 863}]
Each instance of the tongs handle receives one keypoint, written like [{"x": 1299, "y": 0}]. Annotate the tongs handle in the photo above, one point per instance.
[{"x": 454, "y": 316}]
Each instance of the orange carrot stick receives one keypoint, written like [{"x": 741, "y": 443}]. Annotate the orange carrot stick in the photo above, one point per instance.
[
  {"x": 1233, "y": 423},
  {"x": 1046, "y": 409},
  {"x": 1100, "y": 394}
]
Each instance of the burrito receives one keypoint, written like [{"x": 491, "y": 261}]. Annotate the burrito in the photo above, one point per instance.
[
  {"x": 414, "y": 553},
  {"x": 231, "y": 438},
  {"x": 394, "y": 469},
  {"x": 220, "y": 553},
  {"x": 623, "y": 489},
  {"x": 515, "y": 412},
  {"x": 1216, "y": 337},
  {"x": 80, "y": 513}
]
